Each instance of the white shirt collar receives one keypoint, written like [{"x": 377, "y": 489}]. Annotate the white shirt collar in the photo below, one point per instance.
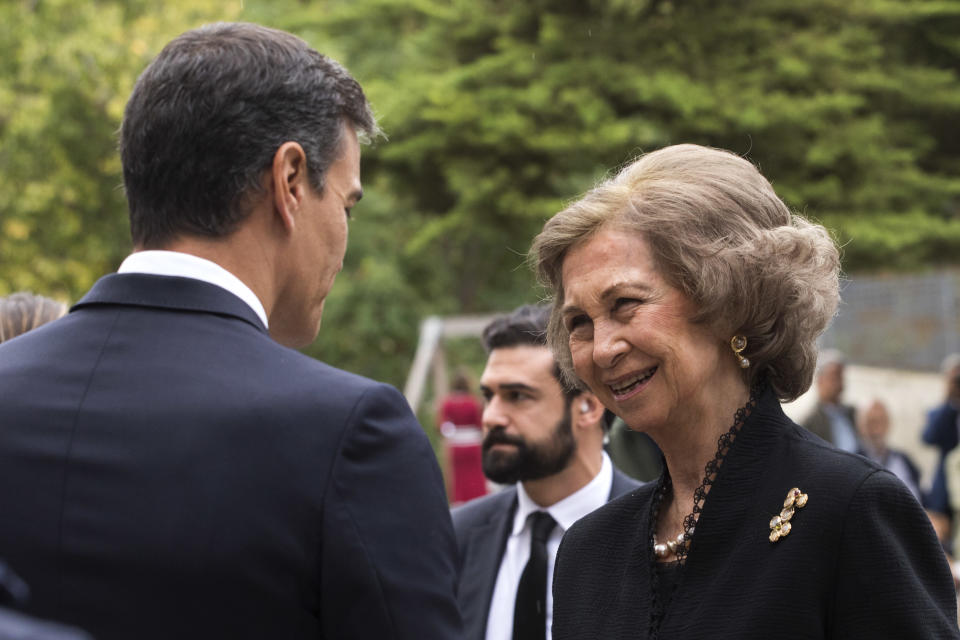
[
  {"x": 587, "y": 498},
  {"x": 185, "y": 265}
]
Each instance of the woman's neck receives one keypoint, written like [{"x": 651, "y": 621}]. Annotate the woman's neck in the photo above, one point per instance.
[{"x": 688, "y": 447}]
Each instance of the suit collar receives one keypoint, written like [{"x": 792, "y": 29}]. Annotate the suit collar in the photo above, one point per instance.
[
  {"x": 725, "y": 508},
  {"x": 186, "y": 265},
  {"x": 730, "y": 510},
  {"x": 167, "y": 292},
  {"x": 483, "y": 553}
]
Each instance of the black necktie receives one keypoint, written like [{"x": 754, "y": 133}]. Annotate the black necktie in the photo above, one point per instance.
[{"x": 530, "y": 612}]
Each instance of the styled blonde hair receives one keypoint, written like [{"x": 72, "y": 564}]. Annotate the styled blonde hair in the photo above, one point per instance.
[
  {"x": 23, "y": 311},
  {"x": 719, "y": 234}
]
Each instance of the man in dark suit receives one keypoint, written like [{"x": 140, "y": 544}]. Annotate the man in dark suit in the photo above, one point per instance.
[
  {"x": 169, "y": 470},
  {"x": 548, "y": 439},
  {"x": 830, "y": 419}
]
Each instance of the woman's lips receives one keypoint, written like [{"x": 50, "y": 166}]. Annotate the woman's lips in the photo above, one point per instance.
[{"x": 629, "y": 386}]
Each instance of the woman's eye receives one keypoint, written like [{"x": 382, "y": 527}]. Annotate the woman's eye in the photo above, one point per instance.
[
  {"x": 575, "y": 322},
  {"x": 621, "y": 303}
]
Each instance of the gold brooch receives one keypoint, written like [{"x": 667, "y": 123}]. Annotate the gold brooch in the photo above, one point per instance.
[{"x": 780, "y": 525}]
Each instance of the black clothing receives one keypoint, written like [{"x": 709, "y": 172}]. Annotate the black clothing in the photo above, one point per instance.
[
  {"x": 861, "y": 561},
  {"x": 482, "y": 527},
  {"x": 170, "y": 471}
]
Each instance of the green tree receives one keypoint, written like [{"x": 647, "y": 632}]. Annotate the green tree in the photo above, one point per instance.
[
  {"x": 498, "y": 112},
  {"x": 67, "y": 69}
]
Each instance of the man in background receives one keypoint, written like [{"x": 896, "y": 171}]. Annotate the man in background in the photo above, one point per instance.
[
  {"x": 831, "y": 419},
  {"x": 943, "y": 431},
  {"x": 873, "y": 425},
  {"x": 172, "y": 468},
  {"x": 547, "y": 441}
]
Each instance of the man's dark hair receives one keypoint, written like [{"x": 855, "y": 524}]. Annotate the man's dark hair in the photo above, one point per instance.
[
  {"x": 527, "y": 326},
  {"x": 207, "y": 116},
  {"x": 524, "y": 326}
]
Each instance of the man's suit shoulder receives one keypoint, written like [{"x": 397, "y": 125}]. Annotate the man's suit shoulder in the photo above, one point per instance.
[
  {"x": 480, "y": 510},
  {"x": 622, "y": 484},
  {"x": 309, "y": 379}
]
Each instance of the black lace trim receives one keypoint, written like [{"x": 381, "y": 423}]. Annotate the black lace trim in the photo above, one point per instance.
[
  {"x": 657, "y": 609},
  {"x": 665, "y": 485}
]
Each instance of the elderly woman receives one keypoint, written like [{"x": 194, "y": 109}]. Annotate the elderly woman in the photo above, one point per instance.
[{"x": 689, "y": 298}]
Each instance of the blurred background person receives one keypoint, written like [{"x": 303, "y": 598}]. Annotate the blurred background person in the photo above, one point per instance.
[
  {"x": 459, "y": 418},
  {"x": 460, "y": 407},
  {"x": 873, "y": 426},
  {"x": 942, "y": 430},
  {"x": 689, "y": 299},
  {"x": 22, "y": 311},
  {"x": 633, "y": 452},
  {"x": 831, "y": 419}
]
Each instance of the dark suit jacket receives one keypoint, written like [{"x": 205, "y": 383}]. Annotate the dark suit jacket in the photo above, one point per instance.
[
  {"x": 482, "y": 527},
  {"x": 862, "y": 560},
  {"x": 169, "y": 471}
]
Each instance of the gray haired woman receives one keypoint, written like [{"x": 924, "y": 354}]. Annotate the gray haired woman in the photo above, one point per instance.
[
  {"x": 20, "y": 312},
  {"x": 688, "y": 298}
]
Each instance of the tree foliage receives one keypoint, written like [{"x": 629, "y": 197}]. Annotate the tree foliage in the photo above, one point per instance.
[
  {"x": 498, "y": 113},
  {"x": 67, "y": 68}
]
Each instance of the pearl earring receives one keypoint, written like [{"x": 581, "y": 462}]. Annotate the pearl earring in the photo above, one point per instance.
[{"x": 738, "y": 343}]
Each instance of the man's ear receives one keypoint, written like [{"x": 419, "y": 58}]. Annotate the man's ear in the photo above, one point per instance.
[
  {"x": 288, "y": 175},
  {"x": 587, "y": 410}
]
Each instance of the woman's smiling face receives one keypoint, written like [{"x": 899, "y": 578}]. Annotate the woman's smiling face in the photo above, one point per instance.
[{"x": 631, "y": 339}]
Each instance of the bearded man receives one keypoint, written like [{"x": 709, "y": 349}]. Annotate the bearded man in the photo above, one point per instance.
[{"x": 545, "y": 438}]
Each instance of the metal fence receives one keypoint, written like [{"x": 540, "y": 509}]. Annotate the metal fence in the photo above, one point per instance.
[{"x": 898, "y": 321}]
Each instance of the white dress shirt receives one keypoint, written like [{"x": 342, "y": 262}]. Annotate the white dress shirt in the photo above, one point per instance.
[
  {"x": 185, "y": 265},
  {"x": 588, "y": 498}
]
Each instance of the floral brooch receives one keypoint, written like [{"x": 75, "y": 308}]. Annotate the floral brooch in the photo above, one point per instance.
[{"x": 780, "y": 525}]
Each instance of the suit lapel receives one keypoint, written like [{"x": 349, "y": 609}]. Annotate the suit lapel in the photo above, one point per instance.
[
  {"x": 730, "y": 513},
  {"x": 482, "y": 556}
]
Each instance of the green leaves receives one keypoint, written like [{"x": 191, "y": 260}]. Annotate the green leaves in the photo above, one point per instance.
[
  {"x": 497, "y": 113},
  {"x": 67, "y": 69}
]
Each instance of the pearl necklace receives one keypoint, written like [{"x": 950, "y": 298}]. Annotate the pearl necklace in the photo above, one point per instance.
[{"x": 670, "y": 548}]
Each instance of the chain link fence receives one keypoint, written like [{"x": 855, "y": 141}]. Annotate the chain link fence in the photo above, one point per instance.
[{"x": 898, "y": 321}]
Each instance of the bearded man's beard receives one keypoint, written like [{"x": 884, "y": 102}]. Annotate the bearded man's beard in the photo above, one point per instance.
[{"x": 528, "y": 461}]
